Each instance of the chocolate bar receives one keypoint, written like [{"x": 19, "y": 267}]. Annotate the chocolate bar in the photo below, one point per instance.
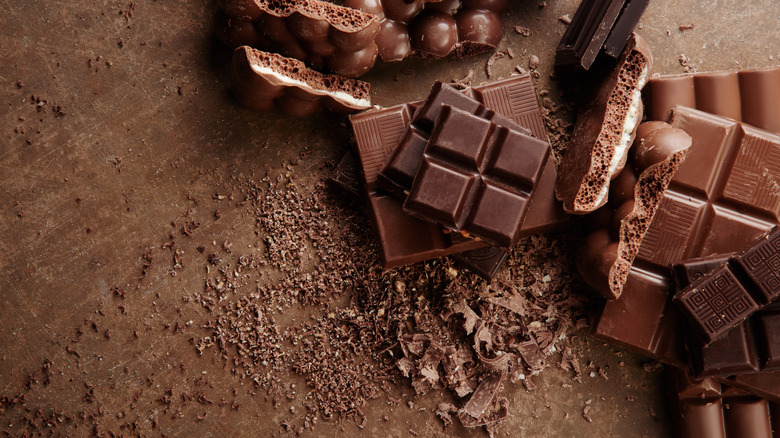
[
  {"x": 619, "y": 227},
  {"x": 764, "y": 384},
  {"x": 405, "y": 239},
  {"x": 751, "y": 346},
  {"x": 262, "y": 81},
  {"x": 434, "y": 28},
  {"x": 750, "y": 96},
  {"x": 722, "y": 299},
  {"x": 720, "y": 199},
  {"x": 603, "y": 132},
  {"x": 477, "y": 177},
  {"x": 708, "y": 409},
  {"x": 324, "y": 35},
  {"x": 598, "y": 25}
]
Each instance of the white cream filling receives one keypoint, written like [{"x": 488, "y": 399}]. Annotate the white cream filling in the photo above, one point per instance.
[
  {"x": 340, "y": 95},
  {"x": 632, "y": 118}
]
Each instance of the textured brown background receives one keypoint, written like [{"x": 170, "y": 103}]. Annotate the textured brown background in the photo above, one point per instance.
[{"x": 149, "y": 120}]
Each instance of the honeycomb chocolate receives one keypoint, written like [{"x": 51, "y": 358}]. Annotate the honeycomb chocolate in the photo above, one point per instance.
[
  {"x": 603, "y": 132},
  {"x": 434, "y": 28},
  {"x": 323, "y": 35},
  {"x": 262, "y": 81}
]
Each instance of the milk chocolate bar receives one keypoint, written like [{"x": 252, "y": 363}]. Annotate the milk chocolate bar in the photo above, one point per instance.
[
  {"x": 750, "y": 96},
  {"x": 477, "y": 177},
  {"x": 324, "y": 35},
  {"x": 619, "y": 227},
  {"x": 708, "y": 409},
  {"x": 405, "y": 239},
  {"x": 598, "y": 25},
  {"x": 603, "y": 132},
  {"x": 262, "y": 81},
  {"x": 722, "y": 299},
  {"x": 720, "y": 199},
  {"x": 434, "y": 28}
]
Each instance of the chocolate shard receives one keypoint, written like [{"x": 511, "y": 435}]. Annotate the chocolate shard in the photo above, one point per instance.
[
  {"x": 751, "y": 96},
  {"x": 477, "y": 177},
  {"x": 722, "y": 299},
  {"x": 432, "y": 28},
  {"x": 610, "y": 249},
  {"x": 324, "y": 35},
  {"x": 485, "y": 262},
  {"x": 262, "y": 81},
  {"x": 346, "y": 176},
  {"x": 624, "y": 26},
  {"x": 588, "y": 31},
  {"x": 484, "y": 396},
  {"x": 720, "y": 190},
  {"x": 603, "y": 132}
]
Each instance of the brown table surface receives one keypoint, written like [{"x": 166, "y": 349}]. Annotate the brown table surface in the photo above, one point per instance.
[{"x": 148, "y": 121}]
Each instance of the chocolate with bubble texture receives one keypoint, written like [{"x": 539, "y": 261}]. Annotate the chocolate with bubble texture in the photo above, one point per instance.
[
  {"x": 604, "y": 131},
  {"x": 434, "y": 28},
  {"x": 620, "y": 226},
  {"x": 263, "y": 81},
  {"x": 324, "y": 35}
]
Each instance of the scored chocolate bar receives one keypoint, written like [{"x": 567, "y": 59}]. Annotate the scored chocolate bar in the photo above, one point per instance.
[
  {"x": 750, "y": 96},
  {"x": 722, "y": 299},
  {"x": 721, "y": 198},
  {"x": 598, "y": 25},
  {"x": 477, "y": 177},
  {"x": 405, "y": 239},
  {"x": 751, "y": 346}
]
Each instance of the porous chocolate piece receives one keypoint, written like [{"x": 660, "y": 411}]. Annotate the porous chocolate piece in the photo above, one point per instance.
[
  {"x": 750, "y": 96},
  {"x": 262, "y": 81},
  {"x": 720, "y": 411},
  {"x": 434, "y": 28},
  {"x": 405, "y": 239},
  {"x": 603, "y": 132},
  {"x": 597, "y": 25},
  {"x": 324, "y": 35},
  {"x": 720, "y": 199},
  {"x": 477, "y": 177},
  {"x": 620, "y": 226},
  {"x": 722, "y": 299}
]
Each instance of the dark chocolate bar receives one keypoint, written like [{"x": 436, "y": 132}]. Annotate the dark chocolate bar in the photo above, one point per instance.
[
  {"x": 476, "y": 177},
  {"x": 405, "y": 239},
  {"x": 604, "y": 131},
  {"x": 619, "y": 227},
  {"x": 434, "y": 28},
  {"x": 262, "y": 81},
  {"x": 598, "y": 25},
  {"x": 722, "y": 299},
  {"x": 324, "y": 35},
  {"x": 707, "y": 409},
  {"x": 720, "y": 199},
  {"x": 764, "y": 384},
  {"x": 750, "y": 96}
]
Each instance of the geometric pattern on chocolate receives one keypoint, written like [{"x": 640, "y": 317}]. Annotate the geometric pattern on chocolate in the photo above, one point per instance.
[
  {"x": 701, "y": 205},
  {"x": 717, "y": 302},
  {"x": 477, "y": 176},
  {"x": 762, "y": 265},
  {"x": 516, "y": 100},
  {"x": 382, "y": 131}
]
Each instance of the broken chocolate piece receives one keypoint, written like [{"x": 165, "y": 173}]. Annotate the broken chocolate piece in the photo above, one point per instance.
[
  {"x": 262, "y": 81},
  {"x": 604, "y": 130}
]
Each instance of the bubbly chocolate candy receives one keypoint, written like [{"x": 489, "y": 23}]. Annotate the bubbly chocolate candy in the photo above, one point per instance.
[
  {"x": 635, "y": 195},
  {"x": 434, "y": 28},
  {"x": 324, "y": 35},
  {"x": 262, "y": 81}
]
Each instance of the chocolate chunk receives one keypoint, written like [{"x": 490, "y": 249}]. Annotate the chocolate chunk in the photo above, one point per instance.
[
  {"x": 477, "y": 177},
  {"x": 620, "y": 226},
  {"x": 433, "y": 28},
  {"x": 587, "y": 32},
  {"x": 346, "y": 176},
  {"x": 624, "y": 26},
  {"x": 485, "y": 262},
  {"x": 722, "y": 299},
  {"x": 324, "y": 35},
  {"x": 720, "y": 199},
  {"x": 405, "y": 239},
  {"x": 484, "y": 396},
  {"x": 262, "y": 81},
  {"x": 764, "y": 384},
  {"x": 603, "y": 132},
  {"x": 751, "y": 96}
]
